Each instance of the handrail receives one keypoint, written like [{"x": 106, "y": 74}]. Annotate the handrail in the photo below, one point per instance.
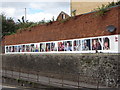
[{"x": 50, "y": 80}]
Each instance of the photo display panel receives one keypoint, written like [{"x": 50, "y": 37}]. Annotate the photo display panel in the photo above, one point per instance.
[
  {"x": 27, "y": 48},
  {"x": 67, "y": 45},
  {"x": 15, "y": 48},
  {"x": 48, "y": 47},
  {"x": 97, "y": 44},
  {"x": 77, "y": 45},
  {"x": 107, "y": 44},
  {"x": 42, "y": 47},
  {"x": 116, "y": 45},
  {"x": 37, "y": 47},
  {"x": 86, "y": 45},
  {"x": 61, "y": 46},
  {"x": 19, "y": 48},
  {"x": 23, "y": 48},
  {"x": 10, "y": 48},
  {"x": 32, "y": 48},
  {"x": 54, "y": 46},
  {"x": 7, "y": 49}
]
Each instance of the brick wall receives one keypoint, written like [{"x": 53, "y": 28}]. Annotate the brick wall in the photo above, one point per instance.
[{"x": 81, "y": 26}]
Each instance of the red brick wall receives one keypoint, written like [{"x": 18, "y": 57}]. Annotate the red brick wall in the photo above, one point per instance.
[{"x": 81, "y": 26}]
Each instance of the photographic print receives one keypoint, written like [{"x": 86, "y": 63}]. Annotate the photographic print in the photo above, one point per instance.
[
  {"x": 37, "y": 48},
  {"x": 60, "y": 46},
  {"x": 10, "y": 48},
  {"x": 86, "y": 45},
  {"x": 106, "y": 43},
  {"x": 48, "y": 47},
  {"x": 15, "y": 48},
  {"x": 23, "y": 48},
  {"x": 97, "y": 44},
  {"x": 54, "y": 46},
  {"x": 42, "y": 47},
  {"x": 7, "y": 49},
  {"x": 20, "y": 48},
  {"x": 68, "y": 45},
  {"x": 27, "y": 48},
  {"x": 77, "y": 45},
  {"x": 32, "y": 49}
]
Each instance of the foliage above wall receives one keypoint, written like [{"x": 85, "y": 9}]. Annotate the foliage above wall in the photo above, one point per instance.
[
  {"x": 101, "y": 11},
  {"x": 8, "y": 25}
]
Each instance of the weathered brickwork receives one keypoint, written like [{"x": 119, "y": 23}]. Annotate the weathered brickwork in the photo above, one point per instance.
[{"x": 81, "y": 26}]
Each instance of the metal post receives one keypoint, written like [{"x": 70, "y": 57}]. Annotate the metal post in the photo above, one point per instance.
[
  {"x": 12, "y": 73},
  {"x": 49, "y": 80},
  {"x": 78, "y": 80},
  {"x": 28, "y": 77},
  {"x": 118, "y": 79},
  {"x": 98, "y": 75},
  {"x": 19, "y": 74},
  {"x": 71, "y": 7},
  {"x": 62, "y": 80},
  {"x": 25, "y": 15},
  {"x": 5, "y": 72},
  {"x": 38, "y": 77}
]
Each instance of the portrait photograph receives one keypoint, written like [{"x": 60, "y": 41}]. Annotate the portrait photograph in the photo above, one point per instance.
[
  {"x": 54, "y": 46},
  {"x": 32, "y": 49},
  {"x": 37, "y": 48},
  {"x": 48, "y": 47},
  {"x": 27, "y": 48},
  {"x": 61, "y": 46},
  {"x": 42, "y": 47},
  {"x": 7, "y": 49},
  {"x": 10, "y": 49},
  {"x": 86, "y": 45},
  {"x": 68, "y": 45},
  {"x": 23, "y": 48},
  {"x": 19, "y": 48},
  {"x": 15, "y": 48},
  {"x": 106, "y": 43},
  {"x": 77, "y": 45},
  {"x": 97, "y": 44}
]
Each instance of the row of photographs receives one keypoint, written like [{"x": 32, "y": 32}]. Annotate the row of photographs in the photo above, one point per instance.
[{"x": 70, "y": 45}]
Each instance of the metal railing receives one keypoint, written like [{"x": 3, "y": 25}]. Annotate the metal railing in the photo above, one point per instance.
[{"x": 57, "y": 80}]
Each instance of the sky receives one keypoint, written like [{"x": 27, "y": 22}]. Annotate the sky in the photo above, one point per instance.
[{"x": 35, "y": 11}]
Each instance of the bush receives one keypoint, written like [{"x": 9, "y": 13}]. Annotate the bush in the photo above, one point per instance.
[
  {"x": 101, "y": 11},
  {"x": 64, "y": 20}
]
